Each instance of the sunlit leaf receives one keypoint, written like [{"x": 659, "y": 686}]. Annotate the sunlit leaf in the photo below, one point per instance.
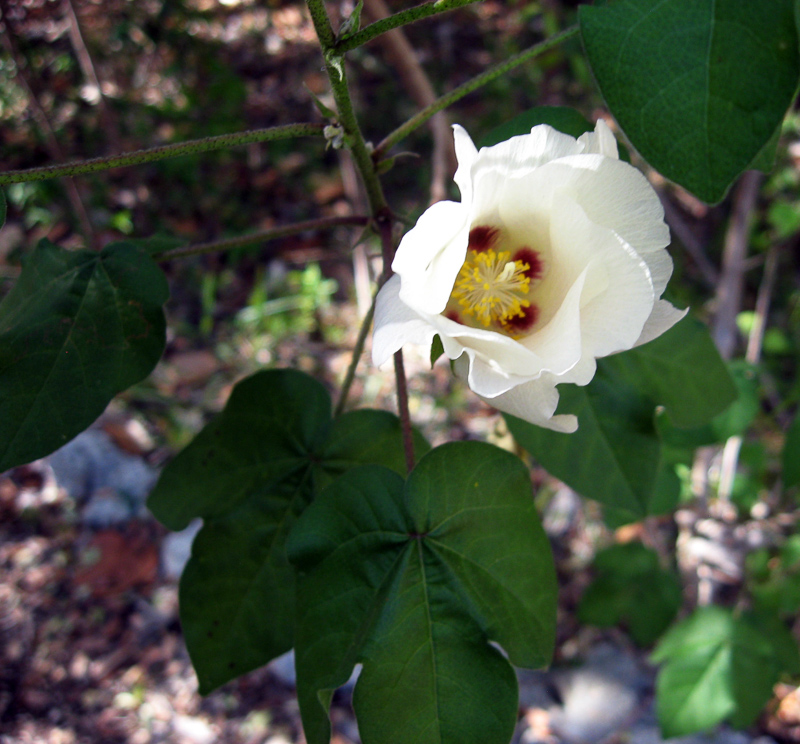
[
  {"x": 716, "y": 666},
  {"x": 698, "y": 86},
  {"x": 249, "y": 474},
  {"x": 77, "y": 328},
  {"x": 413, "y": 580}
]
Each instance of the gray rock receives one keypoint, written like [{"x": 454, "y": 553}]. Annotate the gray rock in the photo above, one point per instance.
[
  {"x": 176, "y": 549},
  {"x": 110, "y": 485},
  {"x": 600, "y": 697}
]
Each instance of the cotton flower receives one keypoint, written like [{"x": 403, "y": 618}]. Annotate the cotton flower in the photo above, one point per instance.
[{"x": 554, "y": 257}]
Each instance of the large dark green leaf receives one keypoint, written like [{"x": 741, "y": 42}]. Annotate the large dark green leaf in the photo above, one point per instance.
[
  {"x": 249, "y": 474},
  {"x": 77, "y": 328},
  {"x": 616, "y": 456},
  {"x": 717, "y": 666},
  {"x": 413, "y": 580},
  {"x": 698, "y": 86}
]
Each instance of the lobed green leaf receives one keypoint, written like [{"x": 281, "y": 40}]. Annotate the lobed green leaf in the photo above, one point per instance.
[
  {"x": 249, "y": 474},
  {"x": 77, "y": 328},
  {"x": 413, "y": 580}
]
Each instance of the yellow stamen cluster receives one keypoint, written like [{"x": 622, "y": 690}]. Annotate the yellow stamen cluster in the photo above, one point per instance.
[{"x": 490, "y": 287}]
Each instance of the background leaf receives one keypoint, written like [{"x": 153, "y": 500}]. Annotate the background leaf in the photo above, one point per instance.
[
  {"x": 717, "y": 666},
  {"x": 249, "y": 474},
  {"x": 616, "y": 456},
  {"x": 698, "y": 86},
  {"x": 631, "y": 588},
  {"x": 791, "y": 454},
  {"x": 564, "y": 119},
  {"x": 3, "y": 207},
  {"x": 77, "y": 328},
  {"x": 413, "y": 580}
]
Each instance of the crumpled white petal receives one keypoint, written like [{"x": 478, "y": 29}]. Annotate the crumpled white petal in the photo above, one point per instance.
[{"x": 595, "y": 228}]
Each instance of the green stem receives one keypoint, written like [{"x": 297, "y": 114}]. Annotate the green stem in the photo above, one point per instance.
[
  {"x": 450, "y": 98},
  {"x": 358, "y": 349},
  {"x": 152, "y": 154},
  {"x": 260, "y": 237},
  {"x": 334, "y": 65},
  {"x": 404, "y": 17}
]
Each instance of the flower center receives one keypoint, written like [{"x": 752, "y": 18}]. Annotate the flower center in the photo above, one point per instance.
[
  {"x": 494, "y": 286},
  {"x": 491, "y": 287}
]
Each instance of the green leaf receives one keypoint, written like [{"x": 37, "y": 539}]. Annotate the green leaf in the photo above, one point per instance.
[
  {"x": 249, "y": 474},
  {"x": 680, "y": 370},
  {"x": 437, "y": 349},
  {"x": 562, "y": 118},
  {"x": 352, "y": 23},
  {"x": 733, "y": 421},
  {"x": 616, "y": 456},
  {"x": 717, "y": 667},
  {"x": 77, "y": 328},
  {"x": 413, "y": 580},
  {"x": 631, "y": 588},
  {"x": 791, "y": 454},
  {"x": 698, "y": 86}
]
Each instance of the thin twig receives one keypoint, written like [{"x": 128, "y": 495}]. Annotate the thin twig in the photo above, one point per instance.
[
  {"x": 90, "y": 73},
  {"x": 403, "y": 58},
  {"x": 755, "y": 341},
  {"x": 262, "y": 236},
  {"x": 693, "y": 246},
  {"x": 152, "y": 154},
  {"x": 358, "y": 349},
  {"x": 731, "y": 284},
  {"x": 468, "y": 87}
]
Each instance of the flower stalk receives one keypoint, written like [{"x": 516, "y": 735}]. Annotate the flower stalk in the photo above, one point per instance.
[{"x": 152, "y": 154}]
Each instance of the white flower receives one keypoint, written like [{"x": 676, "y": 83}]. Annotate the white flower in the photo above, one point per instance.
[{"x": 555, "y": 256}]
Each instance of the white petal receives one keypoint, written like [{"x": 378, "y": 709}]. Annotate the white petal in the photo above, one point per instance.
[
  {"x": 616, "y": 195},
  {"x": 663, "y": 317},
  {"x": 612, "y": 317},
  {"x": 430, "y": 256},
  {"x": 559, "y": 342},
  {"x": 521, "y": 154},
  {"x": 396, "y": 324},
  {"x": 600, "y": 142},
  {"x": 466, "y": 153},
  {"x": 536, "y": 402}
]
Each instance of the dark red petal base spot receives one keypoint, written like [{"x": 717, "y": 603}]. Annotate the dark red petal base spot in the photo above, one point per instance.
[
  {"x": 482, "y": 238},
  {"x": 521, "y": 323},
  {"x": 534, "y": 261},
  {"x": 452, "y": 315}
]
